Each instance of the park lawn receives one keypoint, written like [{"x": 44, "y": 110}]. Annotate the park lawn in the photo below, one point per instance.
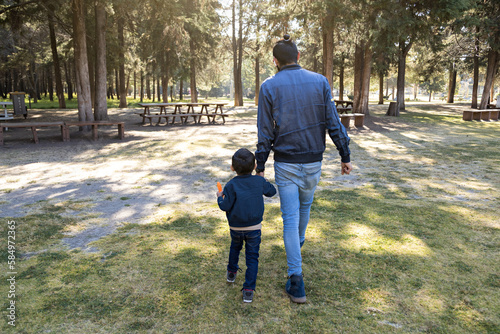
[{"x": 404, "y": 252}]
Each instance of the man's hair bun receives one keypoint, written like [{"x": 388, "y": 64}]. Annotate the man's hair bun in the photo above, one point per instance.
[{"x": 286, "y": 37}]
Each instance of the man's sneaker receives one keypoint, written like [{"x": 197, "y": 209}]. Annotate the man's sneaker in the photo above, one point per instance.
[
  {"x": 295, "y": 289},
  {"x": 231, "y": 276},
  {"x": 247, "y": 295}
]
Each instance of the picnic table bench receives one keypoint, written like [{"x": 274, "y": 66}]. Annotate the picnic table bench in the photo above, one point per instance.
[
  {"x": 181, "y": 114},
  {"x": 34, "y": 126},
  {"x": 64, "y": 128},
  {"x": 96, "y": 124},
  {"x": 344, "y": 110},
  {"x": 482, "y": 114}
]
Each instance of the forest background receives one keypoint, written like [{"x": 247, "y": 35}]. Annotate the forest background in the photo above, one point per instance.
[{"x": 164, "y": 50}]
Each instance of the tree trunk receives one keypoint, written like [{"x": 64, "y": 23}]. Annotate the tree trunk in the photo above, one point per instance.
[
  {"x": 57, "y": 66},
  {"x": 69, "y": 83},
  {"x": 192, "y": 68},
  {"x": 341, "y": 78},
  {"x": 365, "y": 85},
  {"x": 452, "y": 83},
  {"x": 81, "y": 63},
  {"x": 164, "y": 76},
  {"x": 117, "y": 84},
  {"x": 328, "y": 49},
  {"x": 91, "y": 59},
  {"x": 358, "y": 75},
  {"x": 135, "y": 84},
  {"x": 237, "y": 56},
  {"x": 100, "y": 105},
  {"x": 50, "y": 83},
  {"x": 257, "y": 64},
  {"x": 154, "y": 88},
  {"x": 381, "y": 87},
  {"x": 403, "y": 52},
  {"x": 257, "y": 79},
  {"x": 181, "y": 88},
  {"x": 491, "y": 71},
  {"x": 159, "y": 87},
  {"x": 121, "y": 61},
  {"x": 141, "y": 94}
]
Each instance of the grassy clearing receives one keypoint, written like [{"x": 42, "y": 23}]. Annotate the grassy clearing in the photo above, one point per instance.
[{"x": 413, "y": 248}]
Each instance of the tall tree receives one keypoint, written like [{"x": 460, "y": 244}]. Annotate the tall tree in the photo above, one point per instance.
[
  {"x": 81, "y": 62},
  {"x": 100, "y": 106},
  {"x": 121, "y": 58},
  {"x": 55, "y": 57},
  {"x": 408, "y": 21},
  {"x": 237, "y": 53}
]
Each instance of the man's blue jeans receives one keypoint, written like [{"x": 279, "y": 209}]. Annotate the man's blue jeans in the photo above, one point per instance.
[
  {"x": 296, "y": 185},
  {"x": 252, "y": 245}
]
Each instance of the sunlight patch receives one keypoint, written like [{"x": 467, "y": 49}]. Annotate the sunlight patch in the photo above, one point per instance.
[{"x": 366, "y": 239}]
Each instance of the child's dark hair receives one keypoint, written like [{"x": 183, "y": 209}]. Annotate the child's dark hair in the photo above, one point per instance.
[
  {"x": 243, "y": 162},
  {"x": 285, "y": 51}
]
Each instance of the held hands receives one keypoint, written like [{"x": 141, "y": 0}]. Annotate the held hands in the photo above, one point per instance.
[{"x": 346, "y": 168}]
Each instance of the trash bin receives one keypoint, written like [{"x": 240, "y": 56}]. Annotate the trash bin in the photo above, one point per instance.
[{"x": 18, "y": 102}]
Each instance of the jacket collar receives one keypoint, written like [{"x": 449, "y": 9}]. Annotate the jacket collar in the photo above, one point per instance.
[{"x": 290, "y": 67}]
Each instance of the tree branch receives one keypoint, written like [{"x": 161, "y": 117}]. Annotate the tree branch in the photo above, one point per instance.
[{"x": 6, "y": 9}]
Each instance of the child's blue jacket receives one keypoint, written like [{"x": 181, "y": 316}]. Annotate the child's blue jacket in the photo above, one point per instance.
[{"x": 243, "y": 201}]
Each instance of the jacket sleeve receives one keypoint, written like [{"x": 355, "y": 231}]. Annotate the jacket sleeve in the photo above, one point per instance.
[
  {"x": 226, "y": 201},
  {"x": 265, "y": 128},
  {"x": 336, "y": 130},
  {"x": 268, "y": 189}
]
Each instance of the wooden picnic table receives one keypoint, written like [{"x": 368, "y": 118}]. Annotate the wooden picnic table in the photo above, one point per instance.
[
  {"x": 343, "y": 106},
  {"x": 181, "y": 113},
  {"x": 344, "y": 110}
]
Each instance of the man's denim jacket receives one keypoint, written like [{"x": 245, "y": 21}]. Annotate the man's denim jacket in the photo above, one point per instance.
[{"x": 295, "y": 110}]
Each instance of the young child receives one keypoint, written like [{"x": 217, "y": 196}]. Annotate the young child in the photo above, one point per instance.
[{"x": 244, "y": 205}]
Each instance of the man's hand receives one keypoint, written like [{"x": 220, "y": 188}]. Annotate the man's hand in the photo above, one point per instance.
[
  {"x": 346, "y": 168},
  {"x": 219, "y": 193},
  {"x": 260, "y": 174}
]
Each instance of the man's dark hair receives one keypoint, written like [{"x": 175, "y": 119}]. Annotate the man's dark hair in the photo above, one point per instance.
[
  {"x": 285, "y": 51},
  {"x": 243, "y": 161}
]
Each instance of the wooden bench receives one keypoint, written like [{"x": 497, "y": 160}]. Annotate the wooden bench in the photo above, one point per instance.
[
  {"x": 183, "y": 117},
  {"x": 96, "y": 124},
  {"x": 359, "y": 120},
  {"x": 34, "y": 126},
  {"x": 197, "y": 117},
  {"x": 478, "y": 115}
]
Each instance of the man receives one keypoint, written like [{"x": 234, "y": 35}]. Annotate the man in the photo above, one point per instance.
[{"x": 295, "y": 110}]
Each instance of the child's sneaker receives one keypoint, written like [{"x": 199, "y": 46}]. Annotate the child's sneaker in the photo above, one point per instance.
[
  {"x": 231, "y": 276},
  {"x": 247, "y": 295}
]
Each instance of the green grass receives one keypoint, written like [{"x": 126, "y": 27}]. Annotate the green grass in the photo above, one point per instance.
[
  {"x": 426, "y": 268},
  {"x": 395, "y": 253}
]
